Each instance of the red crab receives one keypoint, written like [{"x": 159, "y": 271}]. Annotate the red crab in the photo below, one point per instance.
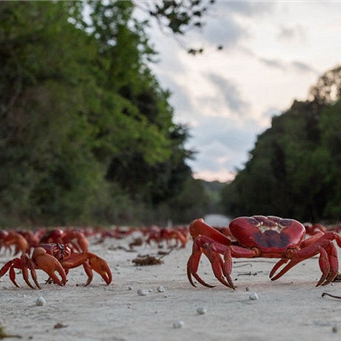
[
  {"x": 76, "y": 240},
  {"x": 53, "y": 258},
  {"x": 260, "y": 236},
  {"x": 13, "y": 238},
  {"x": 172, "y": 236}
]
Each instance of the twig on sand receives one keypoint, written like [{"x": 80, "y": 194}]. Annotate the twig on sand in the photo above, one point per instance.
[{"x": 330, "y": 295}]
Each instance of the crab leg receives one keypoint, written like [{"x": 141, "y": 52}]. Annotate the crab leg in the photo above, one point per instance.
[
  {"x": 90, "y": 262},
  {"x": 50, "y": 265},
  {"x": 10, "y": 266},
  {"x": 193, "y": 265},
  {"x": 199, "y": 227},
  {"x": 203, "y": 233},
  {"x": 26, "y": 264},
  {"x": 328, "y": 261},
  {"x": 217, "y": 264},
  {"x": 222, "y": 267}
]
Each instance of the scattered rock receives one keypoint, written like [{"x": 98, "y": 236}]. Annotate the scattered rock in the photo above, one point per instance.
[
  {"x": 178, "y": 324},
  {"x": 160, "y": 289},
  {"x": 40, "y": 301},
  {"x": 201, "y": 310},
  {"x": 143, "y": 292},
  {"x": 254, "y": 296}
]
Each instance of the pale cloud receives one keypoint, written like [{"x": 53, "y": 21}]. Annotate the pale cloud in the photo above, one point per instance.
[
  {"x": 294, "y": 66},
  {"x": 226, "y": 33},
  {"x": 294, "y": 35},
  {"x": 303, "y": 67},
  {"x": 229, "y": 93},
  {"x": 245, "y": 8},
  {"x": 273, "y": 63}
]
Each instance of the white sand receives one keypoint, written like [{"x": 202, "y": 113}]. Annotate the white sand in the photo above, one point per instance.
[{"x": 289, "y": 308}]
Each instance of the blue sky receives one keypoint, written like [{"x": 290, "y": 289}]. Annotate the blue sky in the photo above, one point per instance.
[{"x": 273, "y": 53}]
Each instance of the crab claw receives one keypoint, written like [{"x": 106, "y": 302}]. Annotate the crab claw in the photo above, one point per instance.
[
  {"x": 26, "y": 263},
  {"x": 90, "y": 262},
  {"x": 193, "y": 264},
  {"x": 100, "y": 266},
  {"x": 50, "y": 265}
]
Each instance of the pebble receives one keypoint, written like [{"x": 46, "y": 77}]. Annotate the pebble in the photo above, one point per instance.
[
  {"x": 178, "y": 324},
  {"x": 254, "y": 296},
  {"x": 40, "y": 301},
  {"x": 201, "y": 311},
  {"x": 160, "y": 289},
  {"x": 143, "y": 292}
]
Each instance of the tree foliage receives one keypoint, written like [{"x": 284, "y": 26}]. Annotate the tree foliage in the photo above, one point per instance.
[
  {"x": 178, "y": 17},
  {"x": 86, "y": 131},
  {"x": 294, "y": 168}
]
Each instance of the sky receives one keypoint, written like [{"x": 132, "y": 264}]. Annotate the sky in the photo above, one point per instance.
[{"x": 273, "y": 52}]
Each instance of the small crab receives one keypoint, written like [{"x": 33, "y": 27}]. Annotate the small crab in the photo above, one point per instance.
[
  {"x": 260, "y": 236},
  {"x": 56, "y": 258}
]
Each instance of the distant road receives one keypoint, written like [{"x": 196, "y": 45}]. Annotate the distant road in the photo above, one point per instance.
[{"x": 218, "y": 220}]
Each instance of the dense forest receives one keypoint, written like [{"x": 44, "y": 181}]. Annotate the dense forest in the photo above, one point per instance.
[
  {"x": 294, "y": 169},
  {"x": 86, "y": 131}
]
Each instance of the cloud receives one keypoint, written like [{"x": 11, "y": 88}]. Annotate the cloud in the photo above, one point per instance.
[
  {"x": 227, "y": 131},
  {"x": 215, "y": 159},
  {"x": 225, "y": 29},
  {"x": 225, "y": 32},
  {"x": 245, "y": 8},
  {"x": 303, "y": 67},
  {"x": 221, "y": 145},
  {"x": 293, "y": 66},
  {"x": 229, "y": 93},
  {"x": 295, "y": 34},
  {"x": 272, "y": 63}
]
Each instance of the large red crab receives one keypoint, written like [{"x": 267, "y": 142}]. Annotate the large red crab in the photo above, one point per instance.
[
  {"x": 53, "y": 258},
  {"x": 260, "y": 236}
]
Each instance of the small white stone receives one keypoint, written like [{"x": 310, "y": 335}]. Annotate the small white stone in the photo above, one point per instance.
[
  {"x": 201, "y": 310},
  {"x": 160, "y": 289},
  {"x": 178, "y": 324},
  {"x": 40, "y": 301},
  {"x": 253, "y": 296},
  {"x": 143, "y": 292}
]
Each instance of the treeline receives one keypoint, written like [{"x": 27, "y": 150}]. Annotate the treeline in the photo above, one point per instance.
[
  {"x": 294, "y": 169},
  {"x": 86, "y": 131}
]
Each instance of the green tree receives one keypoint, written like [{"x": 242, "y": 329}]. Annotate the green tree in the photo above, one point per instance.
[
  {"x": 328, "y": 159},
  {"x": 44, "y": 135}
]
